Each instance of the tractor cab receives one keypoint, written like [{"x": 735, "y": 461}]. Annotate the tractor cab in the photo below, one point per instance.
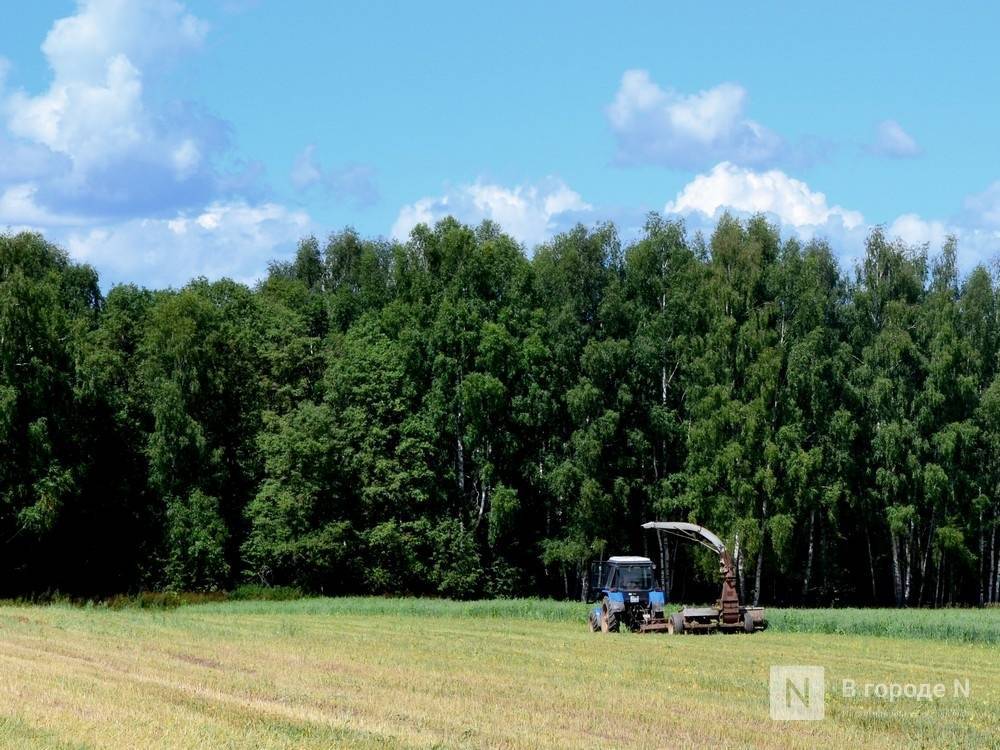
[
  {"x": 622, "y": 573},
  {"x": 626, "y": 591}
]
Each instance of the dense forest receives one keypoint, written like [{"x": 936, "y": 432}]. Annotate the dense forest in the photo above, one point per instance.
[{"x": 454, "y": 416}]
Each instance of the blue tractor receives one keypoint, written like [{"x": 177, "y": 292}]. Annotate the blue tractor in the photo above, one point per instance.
[{"x": 625, "y": 592}]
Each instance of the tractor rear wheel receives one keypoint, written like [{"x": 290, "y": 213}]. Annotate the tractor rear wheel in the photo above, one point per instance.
[
  {"x": 747, "y": 622},
  {"x": 677, "y": 623}
]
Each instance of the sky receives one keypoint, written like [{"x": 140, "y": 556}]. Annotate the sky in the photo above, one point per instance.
[{"x": 159, "y": 140}]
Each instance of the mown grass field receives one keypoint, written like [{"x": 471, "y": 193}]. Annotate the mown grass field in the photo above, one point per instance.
[{"x": 363, "y": 673}]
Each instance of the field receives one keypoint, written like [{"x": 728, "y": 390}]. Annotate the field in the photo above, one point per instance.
[{"x": 364, "y": 673}]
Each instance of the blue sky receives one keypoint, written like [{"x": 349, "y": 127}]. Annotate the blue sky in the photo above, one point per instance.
[{"x": 159, "y": 140}]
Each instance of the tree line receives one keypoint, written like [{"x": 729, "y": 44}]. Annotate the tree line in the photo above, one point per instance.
[{"x": 451, "y": 416}]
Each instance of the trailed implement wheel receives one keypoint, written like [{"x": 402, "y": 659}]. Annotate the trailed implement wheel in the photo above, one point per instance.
[
  {"x": 677, "y": 623},
  {"x": 747, "y": 622}
]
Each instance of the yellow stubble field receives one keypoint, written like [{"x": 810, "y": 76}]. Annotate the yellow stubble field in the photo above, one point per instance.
[{"x": 277, "y": 675}]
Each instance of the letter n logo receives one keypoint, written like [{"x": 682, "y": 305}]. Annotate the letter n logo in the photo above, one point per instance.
[{"x": 798, "y": 693}]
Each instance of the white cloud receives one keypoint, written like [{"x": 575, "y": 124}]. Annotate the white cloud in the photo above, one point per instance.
[
  {"x": 529, "y": 213},
  {"x": 892, "y": 141},
  {"x": 977, "y": 244},
  {"x": 533, "y": 213},
  {"x": 186, "y": 158},
  {"x": 19, "y": 208},
  {"x": 773, "y": 192},
  {"x": 803, "y": 212},
  {"x": 977, "y": 229},
  {"x": 234, "y": 239},
  {"x": 149, "y": 33},
  {"x": 21, "y": 161},
  {"x": 120, "y": 153},
  {"x": 914, "y": 230},
  {"x": 354, "y": 183},
  {"x": 661, "y": 126},
  {"x": 88, "y": 122},
  {"x": 121, "y": 176},
  {"x": 422, "y": 211},
  {"x": 984, "y": 207}
]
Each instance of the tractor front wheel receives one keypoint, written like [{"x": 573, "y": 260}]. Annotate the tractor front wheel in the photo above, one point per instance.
[
  {"x": 594, "y": 619},
  {"x": 747, "y": 622},
  {"x": 609, "y": 619}
]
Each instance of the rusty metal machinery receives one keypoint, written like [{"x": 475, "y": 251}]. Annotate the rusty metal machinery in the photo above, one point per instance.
[{"x": 727, "y": 614}]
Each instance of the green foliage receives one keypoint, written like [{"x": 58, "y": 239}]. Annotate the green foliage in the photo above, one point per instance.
[
  {"x": 781, "y": 527},
  {"x": 503, "y": 514},
  {"x": 455, "y": 567},
  {"x": 299, "y": 534},
  {"x": 452, "y": 416},
  {"x": 47, "y": 306},
  {"x": 253, "y": 592},
  {"x": 171, "y": 599},
  {"x": 196, "y": 538},
  {"x": 396, "y": 556}
]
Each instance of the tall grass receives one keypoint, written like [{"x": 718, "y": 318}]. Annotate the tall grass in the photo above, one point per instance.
[
  {"x": 954, "y": 625},
  {"x": 543, "y": 610},
  {"x": 162, "y": 599}
]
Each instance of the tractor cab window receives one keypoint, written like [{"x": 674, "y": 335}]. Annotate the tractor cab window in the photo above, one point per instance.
[{"x": 634, "y": 578}]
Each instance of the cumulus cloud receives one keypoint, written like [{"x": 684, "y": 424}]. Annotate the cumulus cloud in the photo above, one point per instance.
[
  {"x": 28, "y": 161},
  {"x": 793, "y": 205},
  {"x": 146, "y": 32},
  {"x": 800, "y": 211},
  {"x": 978, "y": 244},
  {"x": 95, "y": 119},
  {"x": 894, "y": 142},
  {"x": 121, "y": 175},
  {"x": 976, "y": 227},
  {"x": 660, "y": 126},
  {"x": 354, "y": 183},
  {"x": 914, "y": 230},
  {"x": 773, "y": 192},
  {"x": 529, "y": 213},
  {"x": 234, "y": 239},
  {"x": 19, "y": 208}
]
